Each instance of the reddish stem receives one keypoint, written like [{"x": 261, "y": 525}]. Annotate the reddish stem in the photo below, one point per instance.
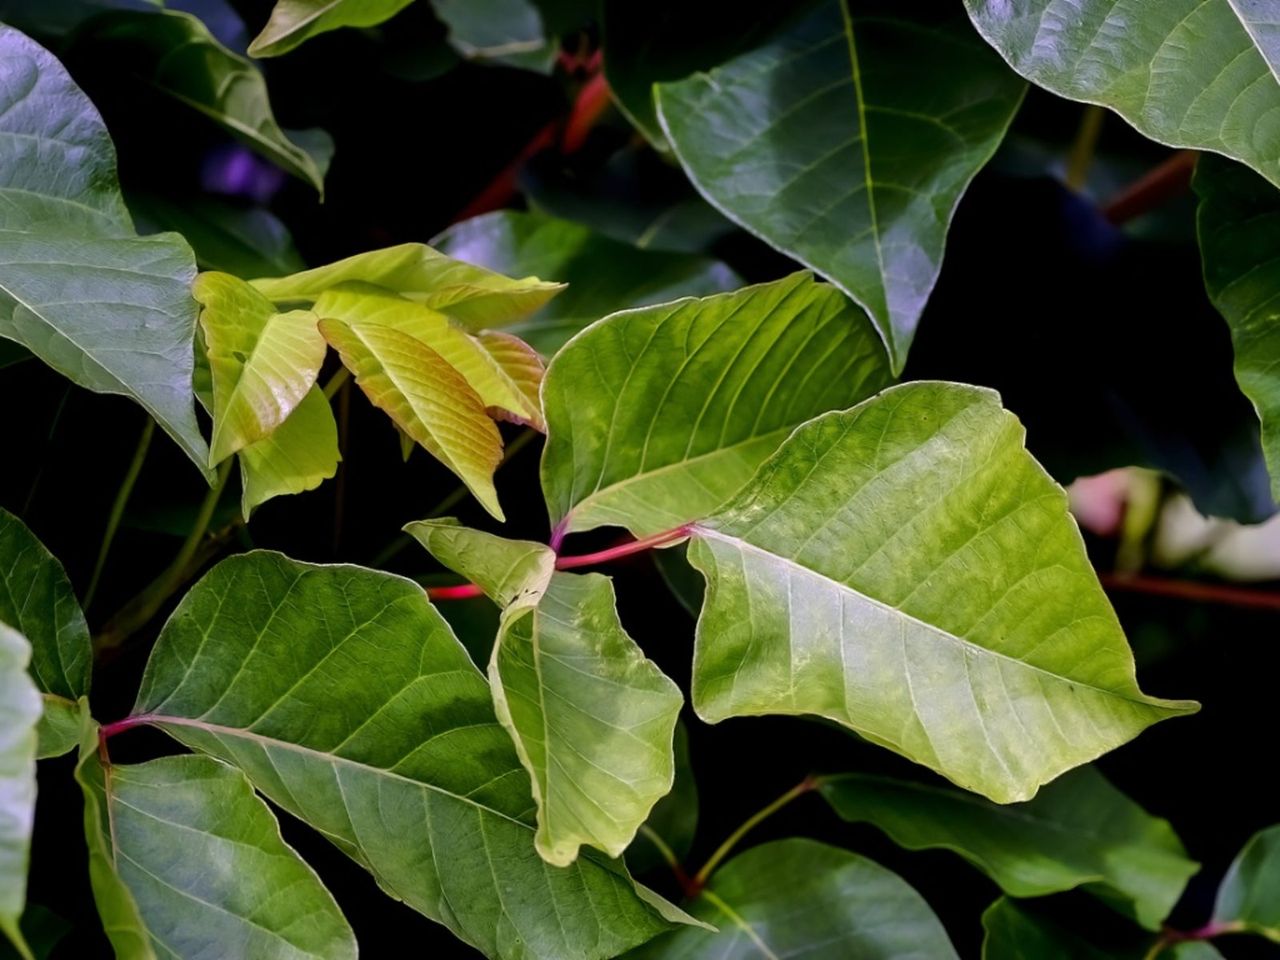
[
  {"x": 108, "y": 730},
  {"x": 1193, "y": 590},
  {"x": 463, "y": 591},
  {"x": 625, "y": 549},
  {"x": 1153, "y": 189}
]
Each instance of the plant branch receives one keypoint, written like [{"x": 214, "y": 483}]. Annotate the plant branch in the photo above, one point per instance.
[
  {"x": 624, "y": 550},
  {"x": 117, "y": 507},
  {"x": 463, "y": 591},
  {"x": 670, "y": 859},
  {"x": 702, "y": 876},
  {"x": 1170, "y": 937},
  {"x": 1153, "y": 189},
  {"x": 335, "y": 382},
  {"x": 1192, "y": 590},
  {"x": 1084, "y": 145}
]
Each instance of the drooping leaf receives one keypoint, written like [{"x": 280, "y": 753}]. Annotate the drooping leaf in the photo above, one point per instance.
[
  {"x": 346, "y": 699},
  {"x": 800, "y": 898},
  {"x": 37, "y": 599},
  {"x": 262, "y": 362},
  {"x": 502, "y": 31},
  {"x": 673, "y": 819},
  {"x": 187, "y": 862},
  {"x": 108, "y": 309},
  {"x": 293, "y": 21},
  {"x": 1078, "y": 831},
  {"x": 1189, "y": 73},
  {"x": 906, "y": 569},
  {"x": 1249, "y": 896},
  {"x": 243, "y": 241},
  {"x": 473, "y": 296},
  {"x": 656, "y": 416},
  {"x": 833, "y": 145},
  {"x": 426, "y": 397},
  {"x": 502, "y": 382},
  {"x": 603, "y": 275},
  {"x": 1017, "y": 931},
  {"x": 1239, "y": 227},
  {"x": 19, "y": 712},
  {"x": 592, "y": 719},
  {"x": 300, "y": 455},
  {"x": 519, "y": 366},
  {"x": 175, "y": 53},
  {"x": 58, "y": 731}
]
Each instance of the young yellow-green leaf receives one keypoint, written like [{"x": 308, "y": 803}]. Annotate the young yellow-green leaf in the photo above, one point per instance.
[
  {"x": 833, "y": 144},
  {"x": 58, "y": 731},
  {"x": 1189, "y": 73},
  {"x": 519, "y": 366},
  {"x": 1239, "y": 225},
  {"x": 603, "y": 274},
  {"x": 1249, "y": 897},
  {"x": 1079, "y": 831},
  {"x": 426, "y": 397},
  {"x": 293, "y": 21},
  {"x": 907, "y": 569},
  {"x": 262, "y": 362},
  {"x": 78, "y": 288},
  {"x": 658, "y": 415},
  {"x": 473, "y": 296},
  {"x": 37, "y": 599},
  {"x": 175, "y": 53},
  {"x": 499, "y": 388},
  {"x": 299, "y": 455},
  {"x": 19, "y": 711},
  {"x": 187, "y": 862},
  {"x": 346, "y": 699},
  {"x": 510, "y": 572},
  {"x": 800, "y": 898}
]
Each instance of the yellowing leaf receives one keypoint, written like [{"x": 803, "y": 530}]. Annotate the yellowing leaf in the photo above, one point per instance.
[
  {"x": 521, "y": 367},
  {"x": 299, "y": 455}
]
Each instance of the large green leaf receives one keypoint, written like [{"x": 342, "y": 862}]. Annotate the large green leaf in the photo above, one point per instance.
[
  {"x": 833, "y": 144},
  {"x": 907, "y": 569},
  {"x": 426, "y": 398},
  {"x": 187, "y": 862},
  {"x": 1017, "y": 931},
  {"x": 19, "y": 712},
  {"x": 300, "y": 455},
  {"x": 603, "y": 275},
  {"x": 1249, "y": 897},
  {"x": 1239, "y": 226},
  {"x": 799, "y": 898},
  {"x": 673, "y": 821},
  {"x": 471, "y": 295},
  {"x": 592, "y": 719},
  {"x": 262, "y": 362},
  {"x": 1189, "y": 73},
  {"x": 293, "y": 21},
  {"x": 656, "y": 416},
  {"x": 1078, "y": 831},
  {"x": 346, "y": 699},
  {"x": 174, "y": 52},
  {"x": 37, "y": 599}
]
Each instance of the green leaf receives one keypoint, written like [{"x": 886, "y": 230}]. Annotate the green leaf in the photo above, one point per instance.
[
  {"x": 603, "y": 275},
  {"x": 108, "y": 309},
  {"x": 293, "y": 21},
  {"x": 1016, "y": 931},
  {"x": 58, "y": 731},
  {"x": 300, "y": 455},
  {"x": 346, "y": 699},
  {"x": 800, "y": 898},
  {"x": 262, "y": 362},
  {"x": 673, "y": 819},
  {"x": 906, "y": 569},
  {"x": 37, "y": 599},
  {"x": 1188, "y": 73},
  {"x": 510, "y": 572},
  {"x": 473, "y": 296},
  {"x": 19, "y": 712},
  {"x": 864, "y": 202},
  {"x": 502, "y": 31},
  {"x": 1078, "y": 831},
  {"x": 656, "y": 416},
  {"x": 174, "y": 52},
  {"x": 1239, "y": 225},
  {"x": 1249, "y": 896},
  {"x": 187, "y": 862},
  {"x": 426, "y": 398}
]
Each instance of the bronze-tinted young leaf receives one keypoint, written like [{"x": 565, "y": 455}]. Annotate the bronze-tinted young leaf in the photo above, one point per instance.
[
  {"x": 187, "y": 862},
  {"x": 78, "y": 288},
  {"x": 658, "y": 415},
  {"x": 1078, "y": 831},
  {"x": 1203, "y": 74},
  {"x": 907, "y": 569},
  {"x": 19, "y": 712},
  {"x": 799, "y": 898},
  {"x": 835, "y": 145},
  {"x": 346, "y": 699},
  {"x": 1249, "y": 898}
]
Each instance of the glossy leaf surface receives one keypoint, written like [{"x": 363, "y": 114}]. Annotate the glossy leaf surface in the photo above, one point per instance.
[
  {"x": 346, "y": 699},
  {"x": 293, "y": 21},
  {"x": 1250, "y": 892},
  {"x": 834, "y": 146},
  {"x": 19, "y": 711},
  {"x": 656, "y": 416},
  {"x": 905, "y": 568}
]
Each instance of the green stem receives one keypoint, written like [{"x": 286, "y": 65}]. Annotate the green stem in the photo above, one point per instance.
[
  {"x": 139, "y": 611},
  {"x": 800, "y": 789},
  {"x": 335, "y": 382},
  {"x": 117, "y": 507},
  {"x": 1082, "y": 148}
]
